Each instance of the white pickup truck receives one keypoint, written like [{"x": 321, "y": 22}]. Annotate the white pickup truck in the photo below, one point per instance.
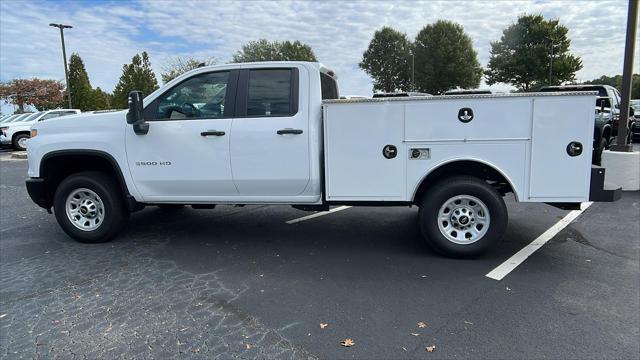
[{"x": 277, "y": 133}]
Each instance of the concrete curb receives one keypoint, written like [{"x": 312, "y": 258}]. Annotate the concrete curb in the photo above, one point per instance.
[
  {"x": 19, "y": 155},
  {"x": 623, "y": 169}
]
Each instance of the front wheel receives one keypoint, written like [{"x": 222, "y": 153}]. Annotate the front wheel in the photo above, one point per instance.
[
  {"x": 597, "y": 152},
  {"x": 19, "y": 142},
  {"x": 89, "y": 207},
  {"x": 462, "y": 216}
]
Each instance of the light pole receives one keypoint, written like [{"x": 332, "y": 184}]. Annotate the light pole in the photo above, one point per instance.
[
  {"x": 64, "y": 56},
  {"x": 627, "y": 77},
  {"x": 551, "y": 62}
]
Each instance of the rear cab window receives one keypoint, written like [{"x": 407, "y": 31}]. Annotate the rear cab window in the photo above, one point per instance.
[{"x": 329, "y": 87}]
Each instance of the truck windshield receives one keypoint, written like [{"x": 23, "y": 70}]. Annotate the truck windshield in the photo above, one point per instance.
[
  {"x": 32, "y": 117},
  {"x": 329, "y": 87}
]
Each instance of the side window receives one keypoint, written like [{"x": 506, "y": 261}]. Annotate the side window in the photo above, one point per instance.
[
  {"x": 202, "y": 96},
  {"x": 616, "y": 99},
  {"x": 50, "y": 116},
  {"x": 270, "y": 93}
]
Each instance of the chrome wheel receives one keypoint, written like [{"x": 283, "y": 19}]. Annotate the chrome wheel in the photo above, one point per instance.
[
  {"x": 85, "y": 209},
  {"x": 463, "y": 219},
  {"x": 22, "y": 142}
]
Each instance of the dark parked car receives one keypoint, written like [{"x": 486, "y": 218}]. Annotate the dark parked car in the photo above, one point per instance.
[{"x": 607, "y": 115}]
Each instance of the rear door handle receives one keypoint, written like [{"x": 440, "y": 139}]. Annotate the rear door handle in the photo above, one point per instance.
[
  {"x": 289, "y": 131},
  {"x": 212, "y": 132}
]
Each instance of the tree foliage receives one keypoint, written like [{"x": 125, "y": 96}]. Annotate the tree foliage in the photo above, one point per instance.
[
  {"x": 445, "y": 58},
  {"x": 180, "y": 65},
  {"x": 42, "y": 94},
  {"x": 81, "y": 91},
  {"x": 83, "y": 96},
  {"x": 265, "y": 50},
  {"x": 522, "y": 56},
  {"x": 387, "y": 60},
  {"x": 616, "y": 81},
  {"x": 135, "y": 76}
]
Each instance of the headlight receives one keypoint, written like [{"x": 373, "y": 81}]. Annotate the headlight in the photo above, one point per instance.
[{"x": 34, "y": 133}]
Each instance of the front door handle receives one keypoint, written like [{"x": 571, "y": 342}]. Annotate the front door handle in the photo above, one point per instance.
[
  {"x": 212, "y": 132},
  {"x": 289, "y": 131}
]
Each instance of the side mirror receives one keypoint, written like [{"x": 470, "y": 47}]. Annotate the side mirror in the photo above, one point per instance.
[{"x": 135, "y": 115}]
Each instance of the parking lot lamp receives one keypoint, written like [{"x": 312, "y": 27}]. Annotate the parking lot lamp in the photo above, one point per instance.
[{"x": 64, "y": 56}]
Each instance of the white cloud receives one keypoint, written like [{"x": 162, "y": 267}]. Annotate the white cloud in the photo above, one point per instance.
[{"x": 108, "y": 35}]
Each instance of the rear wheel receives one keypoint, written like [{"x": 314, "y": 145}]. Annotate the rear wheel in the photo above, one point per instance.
[
  {"x": 462, "y": 217},
  {"x": 19, "y": 142},
  {"x": 89, "y": 207}
]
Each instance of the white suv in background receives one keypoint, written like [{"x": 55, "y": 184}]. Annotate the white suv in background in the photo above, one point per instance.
[{"x": 16, "y": 133}]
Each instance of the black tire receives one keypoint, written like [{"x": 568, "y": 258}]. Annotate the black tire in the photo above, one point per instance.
[
  {"x": 440, "y": 193},
  {"x": 597, "y": 152},
  {"x": 115, "y": 213},
  {"x": 15, "y": 143}
]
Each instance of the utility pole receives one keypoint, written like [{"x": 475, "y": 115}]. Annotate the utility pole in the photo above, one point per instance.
[
  {"x": 64, "y": 56},
  {"x": 632, "y": 23},
  {"x": 551, "y": 63},
  {"x": 413, "y": 71}
]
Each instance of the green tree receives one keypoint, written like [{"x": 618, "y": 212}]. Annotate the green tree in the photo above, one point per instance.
[
  {"x": 181, "y": 65},
  {"x": 387, "y": 60},
  {"x": 135, "y": 76},
  {"x": 616, "y": 81},
  {"x": 100, "y": 99},
  {"x": 81, "y": 91},
  {"x": 265, "y": 50},
  {"x": 445, "y": 58},
  {"x": 527, "y": 49}
]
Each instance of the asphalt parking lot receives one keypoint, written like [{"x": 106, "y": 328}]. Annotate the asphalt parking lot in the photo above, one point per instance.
[{"x": 242, "y": 283}]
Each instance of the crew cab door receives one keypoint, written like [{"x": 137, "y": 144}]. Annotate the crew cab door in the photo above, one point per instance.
[
  {"x": 270, "y": 135},
  {"x": 185, "y": 154}
]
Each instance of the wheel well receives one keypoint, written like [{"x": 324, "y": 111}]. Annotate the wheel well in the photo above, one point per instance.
[
  {"x": 606, "y": 132},
  {"x": 18, "y": 133},
  {"x": 470, "y": 168},
  {"x": 55, "y": 168}
]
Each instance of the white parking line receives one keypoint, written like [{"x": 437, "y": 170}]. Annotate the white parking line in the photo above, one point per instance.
[
  {"x": 506, "y": 267},
  {"x": 339, "y": 208}
]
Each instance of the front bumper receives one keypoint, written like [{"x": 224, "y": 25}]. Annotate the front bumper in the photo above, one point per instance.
[
  {"x": 4, "y": 140},
  {"x": 36, "y": 188}
]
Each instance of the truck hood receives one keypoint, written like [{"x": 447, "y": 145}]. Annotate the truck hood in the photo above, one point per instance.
[
  {"x": 83, "y": 121},
  {"x": 19, "y": 123}
]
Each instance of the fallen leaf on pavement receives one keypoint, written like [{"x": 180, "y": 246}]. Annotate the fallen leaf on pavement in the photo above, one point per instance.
[
  {"x": 3, "y": 315},
  {"x": 468, "y": 322},
  {"x": 323, "y": 325},
  {"x": 347, "y": 342},
  {"x": 248, "y": 346},
  {"x": 415, "y": 334},
  {"x": 422, "y": 324},
  {"x": 404, "y": 348},
  {"x": 431, "y": 348}
]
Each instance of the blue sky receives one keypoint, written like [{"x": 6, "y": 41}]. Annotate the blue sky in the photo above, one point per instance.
[{"x": 107, "y": 34}]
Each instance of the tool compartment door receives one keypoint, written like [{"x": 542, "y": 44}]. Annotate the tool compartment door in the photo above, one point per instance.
[
  {"x": 355, "y": 166},
  {"x": 559, "y": 121}
]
